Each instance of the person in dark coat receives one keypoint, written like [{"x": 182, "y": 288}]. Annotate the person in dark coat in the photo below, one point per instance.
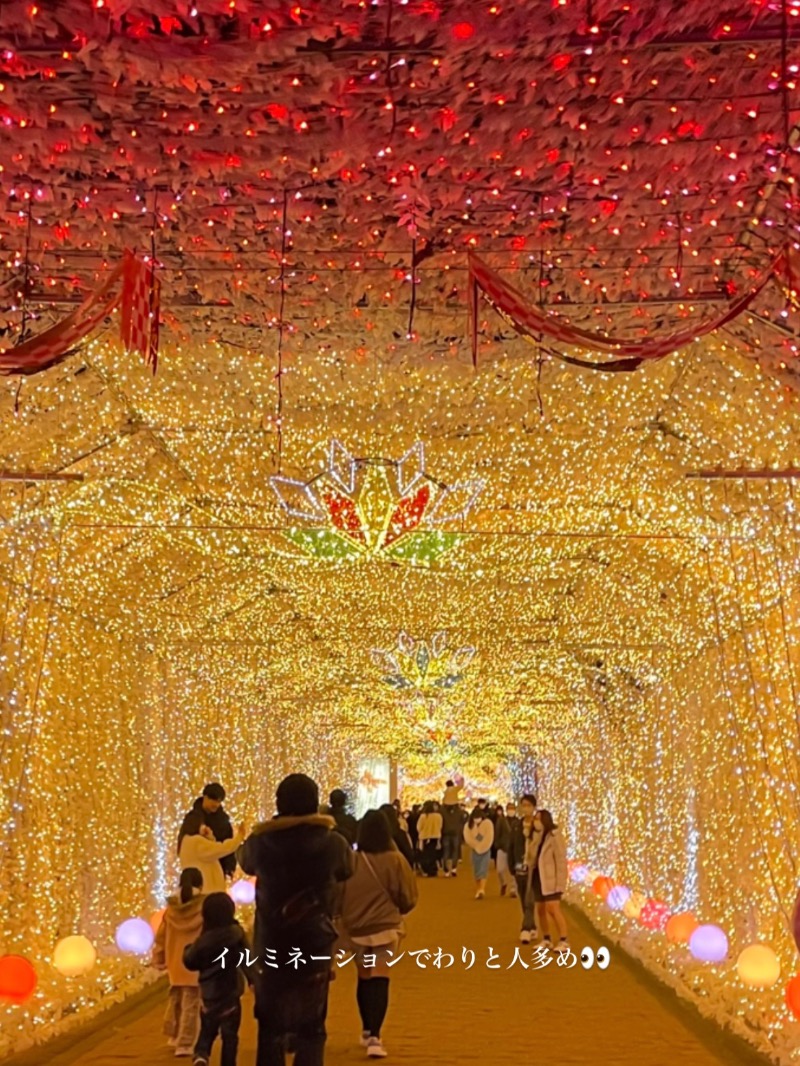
[
  {"x": 298, "y": 860},
  {"x": 345, "y": 823},
  {"x": 222, "y": 979},
  {"x": 412, "y": 820},
  {"x": 524, "y": 844},
  {"x": 452, "y": 836},
  {"x": 401, "y": 839},
  {"x": 502, "y": 842},
  {"x": 217, "y": 820}
]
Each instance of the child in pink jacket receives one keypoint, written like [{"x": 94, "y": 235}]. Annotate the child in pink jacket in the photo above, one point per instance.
[{"x": 181, "y": 925}]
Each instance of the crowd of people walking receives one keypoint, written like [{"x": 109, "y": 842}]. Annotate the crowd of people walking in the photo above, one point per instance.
[{"x": 325, "y": 880}]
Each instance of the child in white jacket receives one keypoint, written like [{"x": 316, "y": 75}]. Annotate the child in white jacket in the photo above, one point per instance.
[{"x": 479, "y": 837}]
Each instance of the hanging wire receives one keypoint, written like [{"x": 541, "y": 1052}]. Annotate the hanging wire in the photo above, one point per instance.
[
  {"x": 413, "y": 303},
  {"x": 539, "y": 349},
  {"x": 26, "y": 276},
  {"x": 281, "y": 324}
]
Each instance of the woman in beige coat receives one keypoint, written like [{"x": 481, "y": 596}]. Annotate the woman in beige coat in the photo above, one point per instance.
[{"x": 382, "y": 889}]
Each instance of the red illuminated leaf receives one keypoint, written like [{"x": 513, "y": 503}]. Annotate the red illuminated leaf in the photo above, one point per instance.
[
  {"x": 344, "y": 516},
  {"x": 407, "y": 515}
]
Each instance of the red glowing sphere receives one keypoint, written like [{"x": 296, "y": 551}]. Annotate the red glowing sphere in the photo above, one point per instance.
[
  {"x": 17, "y": 978},
  {"x": 654, "y": 914},
  {"x": 601, "y": 886},
  {"x": 793, "y": 996}
]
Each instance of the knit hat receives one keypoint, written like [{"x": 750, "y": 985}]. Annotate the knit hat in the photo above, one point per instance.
[{"x": 297, "y": 795}]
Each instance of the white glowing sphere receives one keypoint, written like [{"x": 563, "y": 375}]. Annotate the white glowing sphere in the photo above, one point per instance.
[
  {"x": 243, "y": 892},
  {"x": 135, "y": 936}
]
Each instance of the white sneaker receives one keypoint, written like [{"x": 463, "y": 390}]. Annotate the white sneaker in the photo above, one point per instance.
[
  {"x": 547, "y": 943},
  {"x": 364, "y": 1039},
  {"x": 562, "y": 946},
  {"x": 375, "y": 1049},
  {"x": 184, "y": 1052},
  {"x": 525, "y": 937}
]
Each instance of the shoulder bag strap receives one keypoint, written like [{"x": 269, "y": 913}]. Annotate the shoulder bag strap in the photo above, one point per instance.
[{"x": 380, "y": 883}]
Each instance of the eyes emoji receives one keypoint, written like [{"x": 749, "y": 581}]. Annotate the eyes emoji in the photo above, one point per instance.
[{"x": 602, "y": 958}]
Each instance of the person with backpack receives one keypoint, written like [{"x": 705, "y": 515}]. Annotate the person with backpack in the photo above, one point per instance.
[
  {"x": 181, "y": 925},
  {"x": 222, "y": 980},
  {"x": 298, "y": 861},
  {"x": 381, "y": 891}
]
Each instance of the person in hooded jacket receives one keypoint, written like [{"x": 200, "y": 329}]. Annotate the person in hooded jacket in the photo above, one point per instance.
[
  {"x": 181, "y": 925},
  {"x": 216, "y": 818},
  {"x": 222, "y": 980},
  {"x": 345, "y": 823},
  {"x": 298, "y": 861}
]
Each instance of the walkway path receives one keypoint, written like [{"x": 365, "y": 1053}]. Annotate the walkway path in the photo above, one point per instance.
[{"x": 499, "y": 1017}]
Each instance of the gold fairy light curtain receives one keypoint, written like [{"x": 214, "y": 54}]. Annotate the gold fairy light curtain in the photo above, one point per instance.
[{"x": 691, "y": 770}]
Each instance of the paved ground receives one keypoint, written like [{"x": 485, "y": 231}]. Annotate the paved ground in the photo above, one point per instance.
[{"x": 499, "y": 1017}]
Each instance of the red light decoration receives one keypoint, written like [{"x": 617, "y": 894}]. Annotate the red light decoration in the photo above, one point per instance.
[
  {"x": 17, "y": 979},
  {"x": 462, "y": 31},
  {"x": 601, "y": 886},
  {"x": 344, "y": 516},
  {"x": 793, "y": 996},
  {"x": 654, "y": 915},
  {"x": 407, "y": 515}
]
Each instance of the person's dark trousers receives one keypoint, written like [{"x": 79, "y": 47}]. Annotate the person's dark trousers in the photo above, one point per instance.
[
  {"x": 372, "y": 995},
  {"x": 224, "y": 1024},
  {"x": 451, "y": 849},
  {"x": 526, "y": 902},
  {"x": 300, "y": 1008},
  {"x": 429, "y": 852}
]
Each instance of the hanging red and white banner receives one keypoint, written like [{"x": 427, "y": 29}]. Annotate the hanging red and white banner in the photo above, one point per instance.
[
  {"x": 533, "y": 322},
  {"x": 141, "y": 304}
]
